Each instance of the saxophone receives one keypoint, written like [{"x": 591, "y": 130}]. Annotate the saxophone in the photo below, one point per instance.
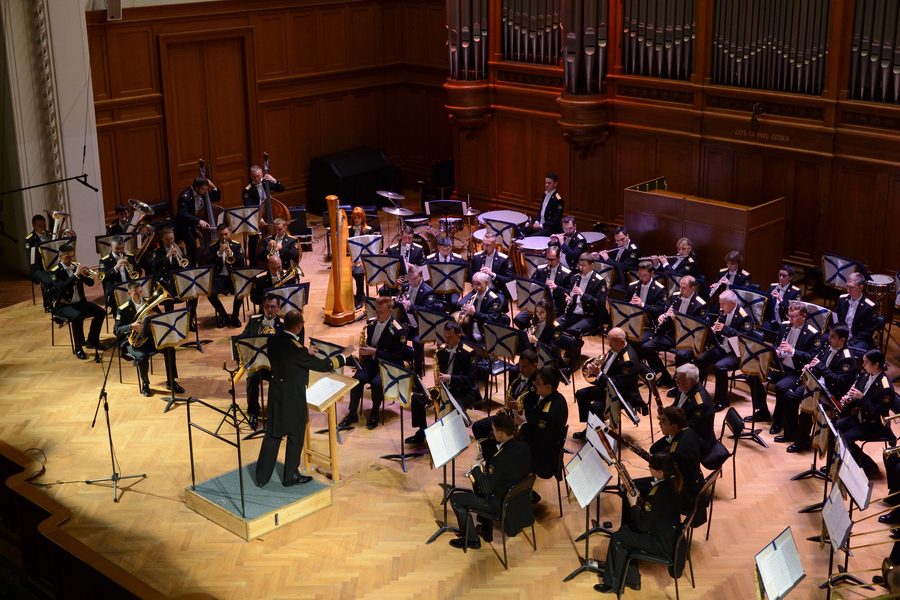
[
  {"x": 362, "y": 342},
  {"x": 434, "y": 392},
  {"x": 515, "y": 405}
]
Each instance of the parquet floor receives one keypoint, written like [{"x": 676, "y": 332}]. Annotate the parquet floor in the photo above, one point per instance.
[{"x": 371, "y": 543}]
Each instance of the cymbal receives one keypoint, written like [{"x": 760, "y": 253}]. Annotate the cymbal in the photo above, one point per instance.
[
  {"x": 472, "y": 212},
  {"x": 400, "y": 212},
  {"x": 391, "y": 195}
]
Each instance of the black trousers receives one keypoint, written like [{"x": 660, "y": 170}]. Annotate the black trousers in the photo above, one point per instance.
[
  {"x": 222, "y": 285},
  {"x": 722, "y": 362},
  {"x": 77, "y": 312},
  {"x": 371, "y": 374},
  {"x": 142, "y": 356},
  {"x": 254, "y": 384},
  {"x": 268, "y": 454},
  {"x": 461, "y": 503}
]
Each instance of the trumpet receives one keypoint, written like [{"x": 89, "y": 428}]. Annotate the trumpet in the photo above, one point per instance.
[
  {"x": 93, "y": 273},
  {"x": 182, "y": 261},
  {"x": 886, "y": 420},
  {"x": 889, "y": 451},
  {"x": 229, "y": 255}
]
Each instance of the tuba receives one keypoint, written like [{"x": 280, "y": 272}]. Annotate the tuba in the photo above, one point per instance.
[
  {"x": 159, "y": 295},
  {"x": 141, "y": 210}
]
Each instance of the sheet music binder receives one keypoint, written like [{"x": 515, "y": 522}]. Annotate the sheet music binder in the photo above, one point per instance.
[
  {"x": 447, "y": 438},
  {"x": 587, "y": 475},
  {"x": 779, "y": 566}
]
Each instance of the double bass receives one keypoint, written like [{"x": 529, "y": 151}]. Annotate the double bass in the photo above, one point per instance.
[
  {"x": 274, "y": 209},
  {"x": 211, "y": 213}
]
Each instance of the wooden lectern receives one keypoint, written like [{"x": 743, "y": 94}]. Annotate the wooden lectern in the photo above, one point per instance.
[
  {"x": 339, "y": 306},
  {"x": 338, "y": 386}
]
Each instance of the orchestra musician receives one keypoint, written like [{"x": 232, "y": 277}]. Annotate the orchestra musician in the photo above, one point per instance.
[
  {"x": 837, "y": 369},
  {"x": 549, "y": 218},
  {"x": 685, "y": 262},
  {"x": 36, "y": 272},
  {"x": 457, "y": 367},
  {"x": 686, "y": 447},
  {"x": 416, "y": 295},
  {"x": 190, "y": 201},
  {"x": 570, "y": 242},
  {"x": 69, "y": 280},
  {"x": 126, "y": 322},
  {"x": 492, "y": 480},
  {"x": 385, "y": 340},
  {"x": 254, "y": 194},
  {"x": 480, "y": 306},
  {"x": 116, "y": 267},
  {"x": 783, "y": 292},
  {"x": 356, "y": 227},
  {"x": 167, "y": 258},
  {"x": 444, "y": 254},
  {"x": 542, "y": 425},
  {"x": 858, "y": 312},
  {"x": 586, "y": 301},
  {"x": 495, "y": 265},
  {"x": 288, "y": 411},
  {"x": 267, "y": 280},
  {"x": 224, "y": 255},
  {"x": 685, "y": 301},
  {"x": 410, "y": 252},
  {"x": 545, "y": 334},
  {"x": 622, "y": 366},
  {"x": 626, "y": 253},
  {"x": 281, "y": 243},
  {"x": 731, "y": 275},
  {"x": 799, "y": 342},
  {"x": 696, "y": 403},
  {"x": 268, "y": 323},
  {"x": 870, "y": 398},
  {"x": 649, "y": 294},
  {"x": 558, "y": 280},
  {"x": 120, "y": 225}
]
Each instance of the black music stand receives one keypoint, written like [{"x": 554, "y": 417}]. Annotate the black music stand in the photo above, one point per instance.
[
  {"x": 190, "y": 284},
  {"x": 443, "y": 209},
  {"x": 398, "y": 379},
  {"x": 449, "y": 489},
  {"x": 250, "y": 352},
  {"x": 760, "y": 357},
  {"x": 588, "y": 565},
  {"x": 170, "y": 330}
]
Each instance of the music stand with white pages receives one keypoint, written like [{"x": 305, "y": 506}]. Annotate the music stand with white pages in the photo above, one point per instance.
[
  {"x": 587, "y": 476},
  {"x": 778, "y": 566}
]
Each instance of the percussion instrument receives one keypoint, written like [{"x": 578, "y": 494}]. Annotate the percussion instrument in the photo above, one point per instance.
[
  {"x": 391, "y": 195},
  {"x": 472, "y": 212},
  {"x": 417, "y": 222},
  {"x": 536, "y": 244},
  {"x": 504, "y": 216},
  {"x": 532, "y": 252},
  {"x": 450, "y": 225},
  {"x": 398, "y": 212},
  {"x": 427, "y": 237},
  {"x": 595, "y": 240},
  {"x": 880, "y": 288},
  {"x": 478, "y": 238}
]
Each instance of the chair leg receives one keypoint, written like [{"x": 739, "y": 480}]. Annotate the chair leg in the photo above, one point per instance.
[
  {"x": 533, "y": 538},
  {"x": 465, "y": 534},
  {"x": 559, "y": 495},
  {"x": 505, "y": 560},
  {"x": 734, "y": 469},
  {"x": 712, "y": 501}
]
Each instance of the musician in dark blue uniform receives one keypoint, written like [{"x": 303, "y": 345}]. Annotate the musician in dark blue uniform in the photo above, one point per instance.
[
  {"x": 254, "y": 194},
  {"x": 190, "y": 202}
]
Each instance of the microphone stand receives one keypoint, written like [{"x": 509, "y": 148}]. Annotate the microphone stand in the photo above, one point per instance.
[{"x": 112, "y": 452}]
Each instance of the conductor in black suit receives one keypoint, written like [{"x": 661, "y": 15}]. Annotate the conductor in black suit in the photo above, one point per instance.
[
  {"x": 268, "y": 323},
  {"x": 509, "y": 465},
  {"x": 288, "y": 413}
]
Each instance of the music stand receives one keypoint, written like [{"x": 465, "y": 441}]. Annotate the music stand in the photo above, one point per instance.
[
  {"x": 329, "y": 350},
  {"x": 50, "y": 251},
  {"x": 381, "y": 268},
  {"x": 501, "y": 342},
  {"x": 251, "y": 352},
  {"x": 242, "y": 279},
  {"x": 836, "y": 269},
  {"x": 292, "y": 297},
  {"x": 447, "y": 277},
  {"x": 121, "y": 289},
  {"x": 690, "y": 333},
  {"x": 443, "y": 209},
  {"x": 607, "y": 271},
  {"x": 397, "y": 385},
  {"x": 243, "y": 221},
  {"x": 528, "y": 294},
  {"x": 447, "y": 438},
  {"x": 504, "y": 231},
  {"x": 104, "y": 242},
  {"x": 587, "y": 478},
  {"x": 673, "y": 283},
  {"x": 809, "y": 402},
  {"x": 431, "y": 326},
  {"x": 169, "y": 330},
  {"x": 629, "y": 317},
  {"x": 753, "y": 302},
  {"x": 817, "y": 315},
  {"x": 364, "y": 245},
  {"x": 191, "y": 283},
  {"x": 756, "y": 359}
]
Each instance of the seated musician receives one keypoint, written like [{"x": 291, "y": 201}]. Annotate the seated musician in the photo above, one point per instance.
[
  {"x": 445, "y": 254},
  {"x": 416, "y": 295},
  {"x": 543, "y": 332},
  {"x": 456, "y": 366},
  {"x": 495, "y": 265},
  {"x": 731, "y": 321},
  {"x": 167, "y": 258},
  {"x": 570, "y": 242},
  {"x": 837, "y": 369},
  {"x": 685, "y": 262},
  {"x": 732, "y": 274},
  {"x": 36, "y": 272},
  {"x": 224, "y": 254},
  {"x": 254, "y": 194},
  {"x": 480, "y": 306},
  {"x": 146, "y": 242},
  {"x": 586, "y": 301},
  {"x": 858, "y": 312},
  {"x": 191, "y": 201},
  {"x": 406, "y": 249},
  {"x": 870, "y": 399},
  {"x": 127, "y": 322},
  {"x": 626, "y": 253},
  {"x": 685, "y": 301},
  {"x": 621, "y": 365},
  {"x": 783, "y": 293},
  {"x": 558, "y": 280},
  {"x": 694, "y": 400},
  {"x": 385, "y": 340},
  {"x": 653, "y": 526},
  {"x": 357, "y": 227},
  {"x": 69, "y": 280},
  {"x": 275, "y": 276},
  {"x": 649, "y": 294},
  {"x": 799, "y": 342},
  {"x": 281, "y": 243},
  {"x": 120, "y": 225},
  {"x": 492, "y": 480},
  {"x": 268, "y": 323},
  {"x": 686, "y": 447},
  {"x": 117, "y": 267},
  {"x": 549, "y": 217}
]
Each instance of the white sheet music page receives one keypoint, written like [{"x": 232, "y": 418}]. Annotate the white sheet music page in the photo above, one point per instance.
[
  {"x": 837, "y": 518},
  {"x": 779, "y": 565},
  {"x": 587, "y": 475},
  {"x": 318, "y": 394},
  {"x": 447, "y": 438},
  {"x": 855, "y": 481}
]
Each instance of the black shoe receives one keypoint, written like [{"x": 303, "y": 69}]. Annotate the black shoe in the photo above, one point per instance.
[
  {"x": 348, "y": 421},
  {"x": 79, "y": 354},
  {"x": 175, "y": 387},
  {"x": 643, "y": 409},
  {"x": 486, "y": 533},
  {"x": 296, "y": 479},
  {"x": 776, "y": 428},
  {"x": 783, "y": 439},
  {"x": 372, "y": 421},
  {"x": 235, "y": 321},
  {"x": 145, "y": 390},
  {"x": 472, "y": 545},
  {"x": 535, "y": 497},
  {"x": 417, "y": 438},
  {"x": 895, "y": 533},
  {"x": 359, "y": 304},
  {"x": 672, "y": 393},
  {"x": 579, "y": 435},
  {"x": 604, "y": 588},
  {"x": 890, "y": 518},
  {"x": 797, "y": 447},
  {"x": 758, "y": 417},
  {"x": 93, "y": 345},
  {"x": 222, "y": 323},
  {"x": 721, "y": 407},
  {"x": 254, "y": 422}
]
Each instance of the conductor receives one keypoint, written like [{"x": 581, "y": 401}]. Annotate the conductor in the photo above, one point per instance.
[{"x": 288, "y": 414}]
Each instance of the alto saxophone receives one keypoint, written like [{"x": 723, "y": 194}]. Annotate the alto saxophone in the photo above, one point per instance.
[{"x": 362, "y": 342}]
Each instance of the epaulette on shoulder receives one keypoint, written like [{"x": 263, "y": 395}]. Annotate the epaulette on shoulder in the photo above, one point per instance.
[
  {"x": 124, "y": 305},
  {"x": 844, "y": 296},
  {"x": 745, "y": 272},
  {"x": 107, "y": 256},
  {"x": 656, "y": 283},
  {"x": 249, "y": 185},
  {"x": 501, "y": 255},
  {"x": 701, "y": 300},
  {"x": 565, "y": 269},
  {"x": 868, "y": 301}
]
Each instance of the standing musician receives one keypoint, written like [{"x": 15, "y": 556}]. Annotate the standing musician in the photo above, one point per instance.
[
  {"x": 416, "y": 295},
  {"x": 799, "y": 342},
  {"x": 69, "y": 280},
  {"x": 268, "y": 323},
  {"x": 445, "y": 254},
  {"x": 686, "y": 301},
  {"x": 586, "y": 301},
  {"x": 120, "y": 225},
  {"x": 731, "y": 321},
  {"x": 288, "y": 412},
  {"x": 694, "y": 400},
  {"x": 626, "y": 252},
  {"x": 686, "y": 447},
  {"x": 385, "y": 340},
  {"x": 549, "y": 217},
  {"x": 520, "y": 391},
  {"x": 492, "y": 480},
  {"x": 281, "y": 243},
  {"x": 621, "y": 365},
  {"x": 495, "y": 265},
  {"x": 356, "y": 227},
  {"x": 783, "y": 292},
  {"x": 858, "y": 312},
  {"x": 558, "y": 280},
  {"x": 117, "y": 267},
  {"x": 410, "y": 252},
  {"x": 190, "y": 201},
  {"x": 685, "y": 262},
  {"x": 653, "y": 526},
  {"x": 457, "y": 368},
  {"x": 836, "y": 367},
  {"x": 274, "y": 275},
  {"x": 224, "y": 254},
  {"x": 649, "y": 294},
  {"x": 166, "y": 259},
  {"x": 570, "y": 242},
  {"x": 126, "y": 322},
  {"x": 254, "y": 194},
  {"x": 870, "y": 398},
  {"x": 480, "y": 306},
  {"x": 36, "y": 272}
]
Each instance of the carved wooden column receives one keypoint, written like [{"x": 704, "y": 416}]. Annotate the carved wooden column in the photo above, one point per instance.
[{"x": 468, "y": 92}]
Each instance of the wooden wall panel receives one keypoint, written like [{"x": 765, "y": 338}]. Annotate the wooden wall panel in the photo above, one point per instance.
[
  {"x": 550, "y": 154},
  {"x": 676, "y": 160},
  {"x": 332, "y": 40},
  {"x": 435, "y": 29},
  {"x": 474, "y": 167},
  {"x": 276, "y": 138},
  {"x": 414, "y": 33},
  {"x": 303, "y": 43},
  {"x": 804, "y": 209},
  {"x": 335, "y": 129},
  {"x": 306, "y": 133},
  {"x": 717, "y": 173},
  {"x": 141, "y": 160},
  {"x": 106, "y": 151},
  {"x": 271, "y": 45},
  {"x": 99, "y": 66},
  {"x": 635, "y": 161},
  {"x": 748, "y": 179},
  {"x": 590, "y": 197},
  {"x": 133, "y": 62},
  {"x": 363, "y": 34},
  {"x": 888, "y": 250},
  {"x": 862, "y": 195},
  {"x": 187, "y": 119},
  {"x": 391, "y": 25},
  {"x": 514, "y": 162}
]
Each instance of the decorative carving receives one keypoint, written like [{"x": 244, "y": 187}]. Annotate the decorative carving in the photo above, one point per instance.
[
  {"x": 48, "y": 94},
  {"x": 529, "y": 79},
  {"x": 644, "y": 93},
  {"x": 781, "y": 110},
  {"x": 468, "y": 105},
  {"x": 864, "y": 120},
  {"x": 583, "y": 121}
]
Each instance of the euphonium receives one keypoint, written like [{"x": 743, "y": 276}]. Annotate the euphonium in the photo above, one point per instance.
[{"x": 159, "y": 295}]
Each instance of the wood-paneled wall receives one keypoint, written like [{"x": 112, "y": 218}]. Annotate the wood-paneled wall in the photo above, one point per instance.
[{"x": 314, "y": 77}]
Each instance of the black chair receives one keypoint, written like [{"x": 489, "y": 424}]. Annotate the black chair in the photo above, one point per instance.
[
  {"x": 519, "y": 493},
  {"x": 560, "y": 469},
  {"x": 735, "y": 424},
  {"x": 710, "y": 486},
  {"x": 57, "y": 320}
]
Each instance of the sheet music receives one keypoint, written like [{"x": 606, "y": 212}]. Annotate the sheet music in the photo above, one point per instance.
[
  {"x": 855, "y": 481},
  {"x": 837, "y": 518},
  {"x": 319, "y": 393},
  {"x": 594, "y": 437},
  {"x": 735, "y": 345},
  {"x": 779, "y": 566},
  {"x": 587, "y": 475},
  {"x": 447, "y": 438}
]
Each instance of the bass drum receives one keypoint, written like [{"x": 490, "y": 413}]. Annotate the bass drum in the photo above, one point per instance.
[{"x": 427, "y": 237}]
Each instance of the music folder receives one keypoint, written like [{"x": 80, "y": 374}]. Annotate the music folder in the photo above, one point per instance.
[
  {"x": 837, "y": 518},
  {"x": 779, "y": 566},
  {"x": 446, "y": 438},
  {"x": 587, "y": 475}
]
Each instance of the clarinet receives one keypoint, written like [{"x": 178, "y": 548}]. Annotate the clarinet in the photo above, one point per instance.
[
  {"x": 824, "y": 350},
  {"x": 718, "y": 334},
  {"x": 573, "y": 299}
]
